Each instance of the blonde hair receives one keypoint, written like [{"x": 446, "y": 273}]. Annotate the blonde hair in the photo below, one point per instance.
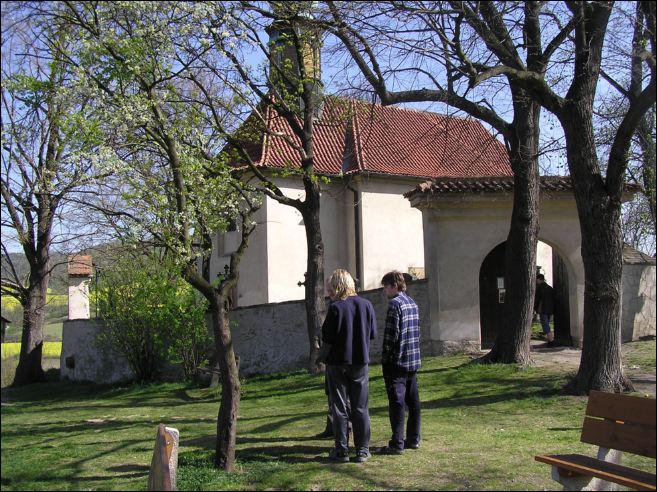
[{"x": 342, "y": 284}]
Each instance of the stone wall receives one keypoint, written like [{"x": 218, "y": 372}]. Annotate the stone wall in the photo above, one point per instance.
[
  {"x": 267, "y": 338},
  {"x": 638, "y": 304},
  {"x": 273, "y": 337},
  {"x": 84, "y": 359}
]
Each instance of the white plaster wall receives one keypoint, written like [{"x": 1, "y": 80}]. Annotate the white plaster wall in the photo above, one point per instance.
[
  {"x": 544, "y": 260},
  {"x": 393, "y": 238},
  {"x": 78, "y": 298},
  {"x": 559, "y": 227},
  {"x": 461, "y": 236},
  {"x": 460, "y": 231},
  {"x": 252, "y": 288},
  {"x": 286, "y": 238},
  {"x": 286, "y": 248},
  {"x": 275, "y": 261}
]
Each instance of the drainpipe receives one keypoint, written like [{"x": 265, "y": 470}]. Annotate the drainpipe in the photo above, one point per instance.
[{"x": 358, "y": 235}]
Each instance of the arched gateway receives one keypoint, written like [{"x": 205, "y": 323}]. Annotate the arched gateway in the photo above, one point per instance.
[{"x": 467, "y": 219}]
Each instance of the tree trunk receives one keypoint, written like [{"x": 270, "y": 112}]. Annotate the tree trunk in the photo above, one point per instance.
[
  {"x": 513, "y": 341},
  {"x": 29, "y": 369},
  {"x": 602, "y": 255},
  {"x": 314, "y": 282},
  {"x": 230, "y": 386}
]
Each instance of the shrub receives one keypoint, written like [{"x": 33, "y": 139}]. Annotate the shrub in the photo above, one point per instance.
[{"x": 152, "y": 316}]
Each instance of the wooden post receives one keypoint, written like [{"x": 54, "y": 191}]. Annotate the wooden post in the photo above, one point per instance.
[{"x": 164, "y": 464}]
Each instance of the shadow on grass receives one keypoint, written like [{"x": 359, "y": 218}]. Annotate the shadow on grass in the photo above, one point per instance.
[{"x": 290, "y": 454}]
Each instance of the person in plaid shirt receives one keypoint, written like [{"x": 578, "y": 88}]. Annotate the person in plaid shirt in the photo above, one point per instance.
[{"x": 401, "y": 360}]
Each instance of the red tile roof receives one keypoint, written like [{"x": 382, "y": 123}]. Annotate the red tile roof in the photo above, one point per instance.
[
  {"x": 80, "y": 266},
  {"x": 353, "y": 136}
]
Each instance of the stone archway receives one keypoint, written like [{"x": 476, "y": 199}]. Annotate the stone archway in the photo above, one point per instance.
[
  {"x": 492, "y": 294},
  {"x": 464, "y": 220}
]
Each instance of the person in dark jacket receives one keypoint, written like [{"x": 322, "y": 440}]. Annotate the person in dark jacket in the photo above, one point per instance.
[
  {"x": 349, "y": 326},
  {"x": 544, "y": 306}
]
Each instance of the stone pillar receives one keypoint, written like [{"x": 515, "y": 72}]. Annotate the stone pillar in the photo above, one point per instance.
[{"x": 79, "y": 275}]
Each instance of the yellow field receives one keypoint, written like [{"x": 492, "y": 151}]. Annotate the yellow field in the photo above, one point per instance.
[{"x": 50, "y": 349}]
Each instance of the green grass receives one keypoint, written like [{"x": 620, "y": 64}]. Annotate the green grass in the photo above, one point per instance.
[{"x": 481, "y": 427}]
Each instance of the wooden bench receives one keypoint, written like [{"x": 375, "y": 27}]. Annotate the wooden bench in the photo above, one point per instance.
[
  {"x": 164, "y": 464},
  {"x": 615, "y": 423}
]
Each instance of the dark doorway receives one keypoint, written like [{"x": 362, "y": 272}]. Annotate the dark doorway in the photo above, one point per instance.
[
  {"x": 561, "y": 303},
  {"x": 492, "y": 292},
  {"x": 491, "y": 295}
]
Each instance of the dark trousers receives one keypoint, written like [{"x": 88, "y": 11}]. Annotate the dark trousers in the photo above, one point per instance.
[
  {"x": 329, "y": 414},
  {"x": 350, "y": 383},
  {"x": 401, "y": 386}
]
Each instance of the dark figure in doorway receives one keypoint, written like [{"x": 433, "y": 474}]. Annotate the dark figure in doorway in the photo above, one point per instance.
[{"x": 544, "y": 306}]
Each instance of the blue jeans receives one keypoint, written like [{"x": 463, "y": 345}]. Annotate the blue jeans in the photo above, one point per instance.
[
  {"x": 545, "y": 322},
  {"x": 401, "y": 386},
  {"x": 350, "y": 383}
]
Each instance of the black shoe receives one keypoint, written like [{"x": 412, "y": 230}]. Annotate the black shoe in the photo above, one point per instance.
[
  {"x": 338, "y": 455},
  {"x": 550, "y": 344},
  {"x": 411, "y": 445},
  {"x": 324, "y": 435},
  {"x": 390, "y": 450},
  {"x": 362, "y": 456}
]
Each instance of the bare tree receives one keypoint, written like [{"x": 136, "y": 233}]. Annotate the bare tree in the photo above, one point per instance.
[
  {"x": 447, "y": 49},
  {"x": 51, "y": 153},
  {"x": 598, "y": 194},
  {"x": 505, "y": 29}
]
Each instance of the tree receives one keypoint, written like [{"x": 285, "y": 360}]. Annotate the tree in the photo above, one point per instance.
[
  {"x": 292, "y": 89},
  {"x": 287, "y": 85},
  {"x": 598, "y": 198},
  {"x": 51, "y": 152},
  {"x": 599, "y": 195},
  {"x": 175, "y": 189},
  {"x": 446, "y": 45},
  {"x": 638, "y": 216}
]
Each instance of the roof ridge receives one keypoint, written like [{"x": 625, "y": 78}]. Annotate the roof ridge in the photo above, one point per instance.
[{"x": 395, "y": 107}]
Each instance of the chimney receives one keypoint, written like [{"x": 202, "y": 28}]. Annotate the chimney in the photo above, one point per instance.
[{"x": 80, "y": 272}]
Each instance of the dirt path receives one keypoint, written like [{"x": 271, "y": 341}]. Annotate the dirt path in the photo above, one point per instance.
[{"x": 569, "y": 357}]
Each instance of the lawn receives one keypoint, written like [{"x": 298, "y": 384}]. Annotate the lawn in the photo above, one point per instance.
[{"x": 481, "y": 427}]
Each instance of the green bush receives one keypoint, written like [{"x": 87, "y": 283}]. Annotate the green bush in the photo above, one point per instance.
[{"x": 152, "y": 316}]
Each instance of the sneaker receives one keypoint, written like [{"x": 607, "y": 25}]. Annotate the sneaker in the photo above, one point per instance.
[
  {"x": 338, "y": 455},
  {"x": 550, "y": 344},
  {"x": 390, "y": 450},
  {"x": 362, "y": 456},
  {"x": 411, "y": 445}
]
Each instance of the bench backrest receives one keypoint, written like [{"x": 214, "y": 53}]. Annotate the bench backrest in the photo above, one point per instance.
[{"x": 622, "y": 422}]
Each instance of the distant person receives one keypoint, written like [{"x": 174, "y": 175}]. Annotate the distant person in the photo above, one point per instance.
[
  {"x": 544, "y": 306},
  {"x": 349, "y": 326},
  {"x": 401, "y": 360}
]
